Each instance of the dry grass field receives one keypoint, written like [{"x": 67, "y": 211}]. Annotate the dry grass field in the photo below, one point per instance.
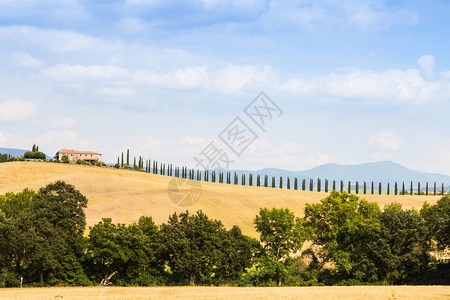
[
  {"x": 125, "y": 195},
  {"x": 333, "y": 292}
]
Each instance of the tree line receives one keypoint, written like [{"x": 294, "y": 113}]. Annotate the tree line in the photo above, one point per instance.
[
  {"x": 304, "y": 184},
  {"x": 350, "y": 241}
]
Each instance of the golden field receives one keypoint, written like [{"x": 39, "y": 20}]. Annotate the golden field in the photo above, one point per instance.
[
  {"x": 125, "y": 195},
  {"x": 330, "y": 292}
]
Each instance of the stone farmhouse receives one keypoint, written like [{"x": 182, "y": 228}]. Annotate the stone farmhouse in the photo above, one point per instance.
[{"x": 73, "y": 155}]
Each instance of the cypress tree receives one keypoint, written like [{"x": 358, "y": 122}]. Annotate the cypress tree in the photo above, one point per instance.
[
  {"x": 250, "y": 179},
  {"x": 122, "y": 161},
  {"x": 273, "y": 182},
  {"x": 403, "y": 188},
  {"x": 396, "y": 188},
  {"x": 379, "y": 188},
  {"x": 326, "y": 185},
  {"x": 243, "y": 179},
  {"x": 319, "y": 187},
  {"x": 426, "y": 189},
  {"x": 388, "y": 188},
  {"x": 303, "y": 184},
  {"x": 236, "y": 178},
  {"x": 442, "y": 190},
  {"x": 349, "y": 187},
  {"x": 128, "y": 157},
  {"x": 357, "y": 188},
  {"x": 365, "y": 188},
  {"x": 296, "y": 183},
  {"x": 288, "y": 183},
  {"x": 311, "y": 184},
  {"x": 266, "y": 180},
  {"x": 372, "y": 188},
  {"x": 434, "y": 190},
  {"x": 342, "y": 186},
  {"x": 134, "y": 163},
  {"x": 281, "y": 182},
  {"x": 118, "y": 161},
  {"x": 258, "y": 180},
  {"x": 334, "y": 184},
  {"x": 418, "y": 188},
  {"x": 412, "y": 190}
]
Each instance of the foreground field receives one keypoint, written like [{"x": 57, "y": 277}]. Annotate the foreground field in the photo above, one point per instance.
[
  {"x": 125, "y": 195},
  {"x": 333, "y": 292}
]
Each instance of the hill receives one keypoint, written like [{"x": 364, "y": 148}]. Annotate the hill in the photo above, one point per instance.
[
  {"x": 125, "y": 195},
  {"x": 16, "y": 152}
]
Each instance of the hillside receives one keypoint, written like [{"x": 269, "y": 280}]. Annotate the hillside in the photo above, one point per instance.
[
  {"x": 125, "y": 195},
  {"x": 16, "y": 152}
]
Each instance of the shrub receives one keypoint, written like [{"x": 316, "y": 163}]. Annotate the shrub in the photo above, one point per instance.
[
  {"x": 34, "y": 155},
  {"x": 65, "y": 159}
]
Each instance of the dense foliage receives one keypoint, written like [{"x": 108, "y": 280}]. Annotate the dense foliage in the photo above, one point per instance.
[{"x": 341, "y": 240}]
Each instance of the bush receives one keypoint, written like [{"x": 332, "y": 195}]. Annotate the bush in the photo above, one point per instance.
[{"x": 34, "y": 155}]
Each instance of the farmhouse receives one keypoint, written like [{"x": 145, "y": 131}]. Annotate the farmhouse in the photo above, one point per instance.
[{"x": 73, "y": 155}]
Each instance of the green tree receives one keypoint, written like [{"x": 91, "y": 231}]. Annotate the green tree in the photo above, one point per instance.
[
  {"x": 108, "y": 249},
  {"x": 60, "y": 221},
  {"x": 341, "y": 227},
  {"x": 191, "y": 245},
  {"x": 401, "y": 247},
  {"x": 437, "y": 219},
  {"x": 280, "y": 234},
  {"x": 65, "y": 159}
]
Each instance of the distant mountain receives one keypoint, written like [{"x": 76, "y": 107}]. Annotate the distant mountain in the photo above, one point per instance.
[
  {"x": 384, "y": 172},
  {"x": 15, "y": 152}
]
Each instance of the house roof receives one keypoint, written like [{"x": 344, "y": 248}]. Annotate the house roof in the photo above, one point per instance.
[{"x": 71, "y": 151}]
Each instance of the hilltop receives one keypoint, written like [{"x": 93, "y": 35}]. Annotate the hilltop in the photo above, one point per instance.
[{"x": 125, "y": 195}]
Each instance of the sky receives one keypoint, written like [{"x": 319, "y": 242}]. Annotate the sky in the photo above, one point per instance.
[{"x": 353, "y": 81}]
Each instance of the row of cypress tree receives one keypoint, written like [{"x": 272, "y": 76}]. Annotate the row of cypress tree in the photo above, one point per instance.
[{"x": 304, "y": 184}]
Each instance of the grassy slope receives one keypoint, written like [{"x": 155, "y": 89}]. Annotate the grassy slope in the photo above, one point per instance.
[{"x": 125, "y": 195}]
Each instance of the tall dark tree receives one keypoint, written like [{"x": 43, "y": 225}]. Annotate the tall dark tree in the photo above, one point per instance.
[{"x": 128, "y": 157}]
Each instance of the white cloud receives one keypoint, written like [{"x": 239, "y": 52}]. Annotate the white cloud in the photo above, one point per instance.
[
  {"x": 25, "y": 60},
  {"x": 58, "y": 139},
  {"x": 66, "y": 72},
  {"x": 426, "y": 65},
  {"x": 394, "y": 85},
  {"x": 62, "y": 122},
  {"x": 119, "y": 92},
  {"x": 386, "y": 140},
  {"x": 15, "y": 110}
]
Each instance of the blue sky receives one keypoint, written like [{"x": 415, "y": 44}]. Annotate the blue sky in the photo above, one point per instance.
[{"x": 357, "y": 81}]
